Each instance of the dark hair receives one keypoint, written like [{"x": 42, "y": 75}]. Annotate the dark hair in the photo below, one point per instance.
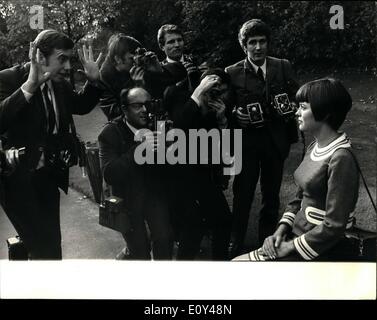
[
  {"x": 329, "y": 100},
  {"x": 119, "y": 44},
  {"x": 165, "y": 29},
  {"x": 48, "y": 40},
  {"x": 251, "y": 28},
  {"x": 225, "y": 78}
]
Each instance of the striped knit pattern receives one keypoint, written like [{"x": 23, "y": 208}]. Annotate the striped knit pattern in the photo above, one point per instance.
[
  {"x": 319, "y": 154},
  {"x": 304, "y": 249},
  {"x": 258, "y": 255},
  {"x": 288, "y": 218}
]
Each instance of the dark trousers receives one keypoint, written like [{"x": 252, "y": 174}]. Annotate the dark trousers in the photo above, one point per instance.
[
  {"x": 202, "y": 209},
  {"x": 31, "y": 202},
  {"x": 151, "y": 229},
  {"x": 260, "y": 158}
]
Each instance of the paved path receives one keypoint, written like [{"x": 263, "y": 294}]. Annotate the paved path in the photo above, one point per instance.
[{"x": 82, "y": 236}]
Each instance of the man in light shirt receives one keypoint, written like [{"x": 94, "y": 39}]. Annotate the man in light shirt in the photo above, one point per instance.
[
  {"x": 178, "y": 67},
  {"x": 267, "y": 134},
  {"x": 36, "y": 107}
]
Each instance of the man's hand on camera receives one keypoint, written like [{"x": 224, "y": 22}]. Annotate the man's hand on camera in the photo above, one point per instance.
[
  {"x": 12, "y": 157},
  {"x": 137, "y": 75},
  {"x": 190, "y": 67},
  {"x": 242, "y": 119},
  {"x": 153, "y": 64},
  {"x": 219, "y": 106},
  {"x": 205, "y": 85}
]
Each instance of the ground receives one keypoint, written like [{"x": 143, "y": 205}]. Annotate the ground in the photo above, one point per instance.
[{"x": 360, "y": 127}]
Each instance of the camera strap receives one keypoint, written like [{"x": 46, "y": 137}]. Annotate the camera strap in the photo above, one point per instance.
[
  {"x": 301, "y": 133},
  {"x": 362, "y": 178}
]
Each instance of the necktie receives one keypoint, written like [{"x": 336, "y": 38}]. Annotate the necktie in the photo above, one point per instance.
[
  {"x": 50, "y": 110},
  {"x": 260, "y": 74}
]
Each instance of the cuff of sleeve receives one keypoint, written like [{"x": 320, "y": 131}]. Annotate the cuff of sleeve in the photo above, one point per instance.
[
  {"x": 303, "y": 248},
  {"x": 27, "y": 94},
  {"x": 196, "y": 100},
  {"x": 288, "y": 218}
]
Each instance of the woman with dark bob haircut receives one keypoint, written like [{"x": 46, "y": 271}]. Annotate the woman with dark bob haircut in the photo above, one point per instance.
[{"x": 313, "y": 224}]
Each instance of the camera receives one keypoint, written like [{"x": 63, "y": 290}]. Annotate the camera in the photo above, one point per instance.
[
  {"x": 16, "y": 249},
  {"x": 113, "y": 214},
  {"x": 156, "y": 113},
  {"x": 141, "y": 57},
  {"x": 255, "y": 113},
  {"x": 282, "y": 105},
  {"x": 5, "y": 167}
]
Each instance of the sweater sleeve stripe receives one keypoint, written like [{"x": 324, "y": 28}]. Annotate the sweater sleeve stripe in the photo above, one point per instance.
[
  {"x": 304, "y": 249},
  {"x": 288, "y": 218}
]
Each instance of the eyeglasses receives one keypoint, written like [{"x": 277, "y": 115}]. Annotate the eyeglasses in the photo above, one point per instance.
[{"x": 139, "y": 105}]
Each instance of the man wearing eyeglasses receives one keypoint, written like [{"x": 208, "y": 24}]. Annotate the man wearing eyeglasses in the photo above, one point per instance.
[{"x": 142, "y": 187}]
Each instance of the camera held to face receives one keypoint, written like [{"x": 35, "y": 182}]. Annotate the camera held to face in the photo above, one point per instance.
[
  {"x": 283, "y": 106},
  {"x": 141, "y": 57},
  {"x": 156, "y": 113}
]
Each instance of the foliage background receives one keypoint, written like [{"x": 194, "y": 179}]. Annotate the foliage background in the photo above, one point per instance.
[{"x": 301, "y": 30}]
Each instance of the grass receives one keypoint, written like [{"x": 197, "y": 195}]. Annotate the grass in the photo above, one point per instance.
[{"x": 360, "y": 127}]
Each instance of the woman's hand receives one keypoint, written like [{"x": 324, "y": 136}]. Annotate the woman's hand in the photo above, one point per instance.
[{"x": 272, "y": 243}]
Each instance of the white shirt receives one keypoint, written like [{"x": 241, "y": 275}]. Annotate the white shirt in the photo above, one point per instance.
[
  {"x": 255, "y": 67},
  {"x": 132, "y": 128},
  {"x": 172, "y": 61},
  {"x": 51, "y": 93}
]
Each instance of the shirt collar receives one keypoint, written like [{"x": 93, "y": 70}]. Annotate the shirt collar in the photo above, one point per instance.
[
  {"x": 255, "y": 67},
  {"x": 172, "y": 61},
  {"x": 132, "y": 128},
  {"x": 48, "y": 83}
]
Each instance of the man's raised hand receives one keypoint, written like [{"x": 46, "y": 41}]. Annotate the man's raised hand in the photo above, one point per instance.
[
  {"x": 36, "y": 75},
  {"x": 91, "y": 67}
]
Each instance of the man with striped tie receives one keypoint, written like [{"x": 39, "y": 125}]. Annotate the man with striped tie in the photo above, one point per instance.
[{"x": 36, "y": 107}]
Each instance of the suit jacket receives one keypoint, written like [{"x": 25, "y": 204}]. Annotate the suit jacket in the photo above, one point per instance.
[
  {"x": 23, "y": 123},
  {"x": 141, "y": 186},
  {"x": 248, "y": 88}
]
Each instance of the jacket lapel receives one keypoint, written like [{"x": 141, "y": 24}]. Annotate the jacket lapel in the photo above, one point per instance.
[{"x": 271, "y": 70}]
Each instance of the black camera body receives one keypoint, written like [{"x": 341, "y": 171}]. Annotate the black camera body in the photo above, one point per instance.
[
  {"x": 17, "y": 249},
  {"x": 255, "y": 113},
  {"x": 141, "y": 58},
  {"x": 113, "y": 214},
  {"x": 156, "y": 113},
  {"x": 4, "y": 167}
]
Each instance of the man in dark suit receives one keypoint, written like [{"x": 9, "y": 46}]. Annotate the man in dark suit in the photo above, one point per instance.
[
  {"x": 267, "y": 132},
  {"x": 36, "y": 107},
  {"x": 178, "y": 67},
  {"x": 119, "y": 72},
  {"x": 200, "y": 205},
  {"x": 141, "y": 186}
]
